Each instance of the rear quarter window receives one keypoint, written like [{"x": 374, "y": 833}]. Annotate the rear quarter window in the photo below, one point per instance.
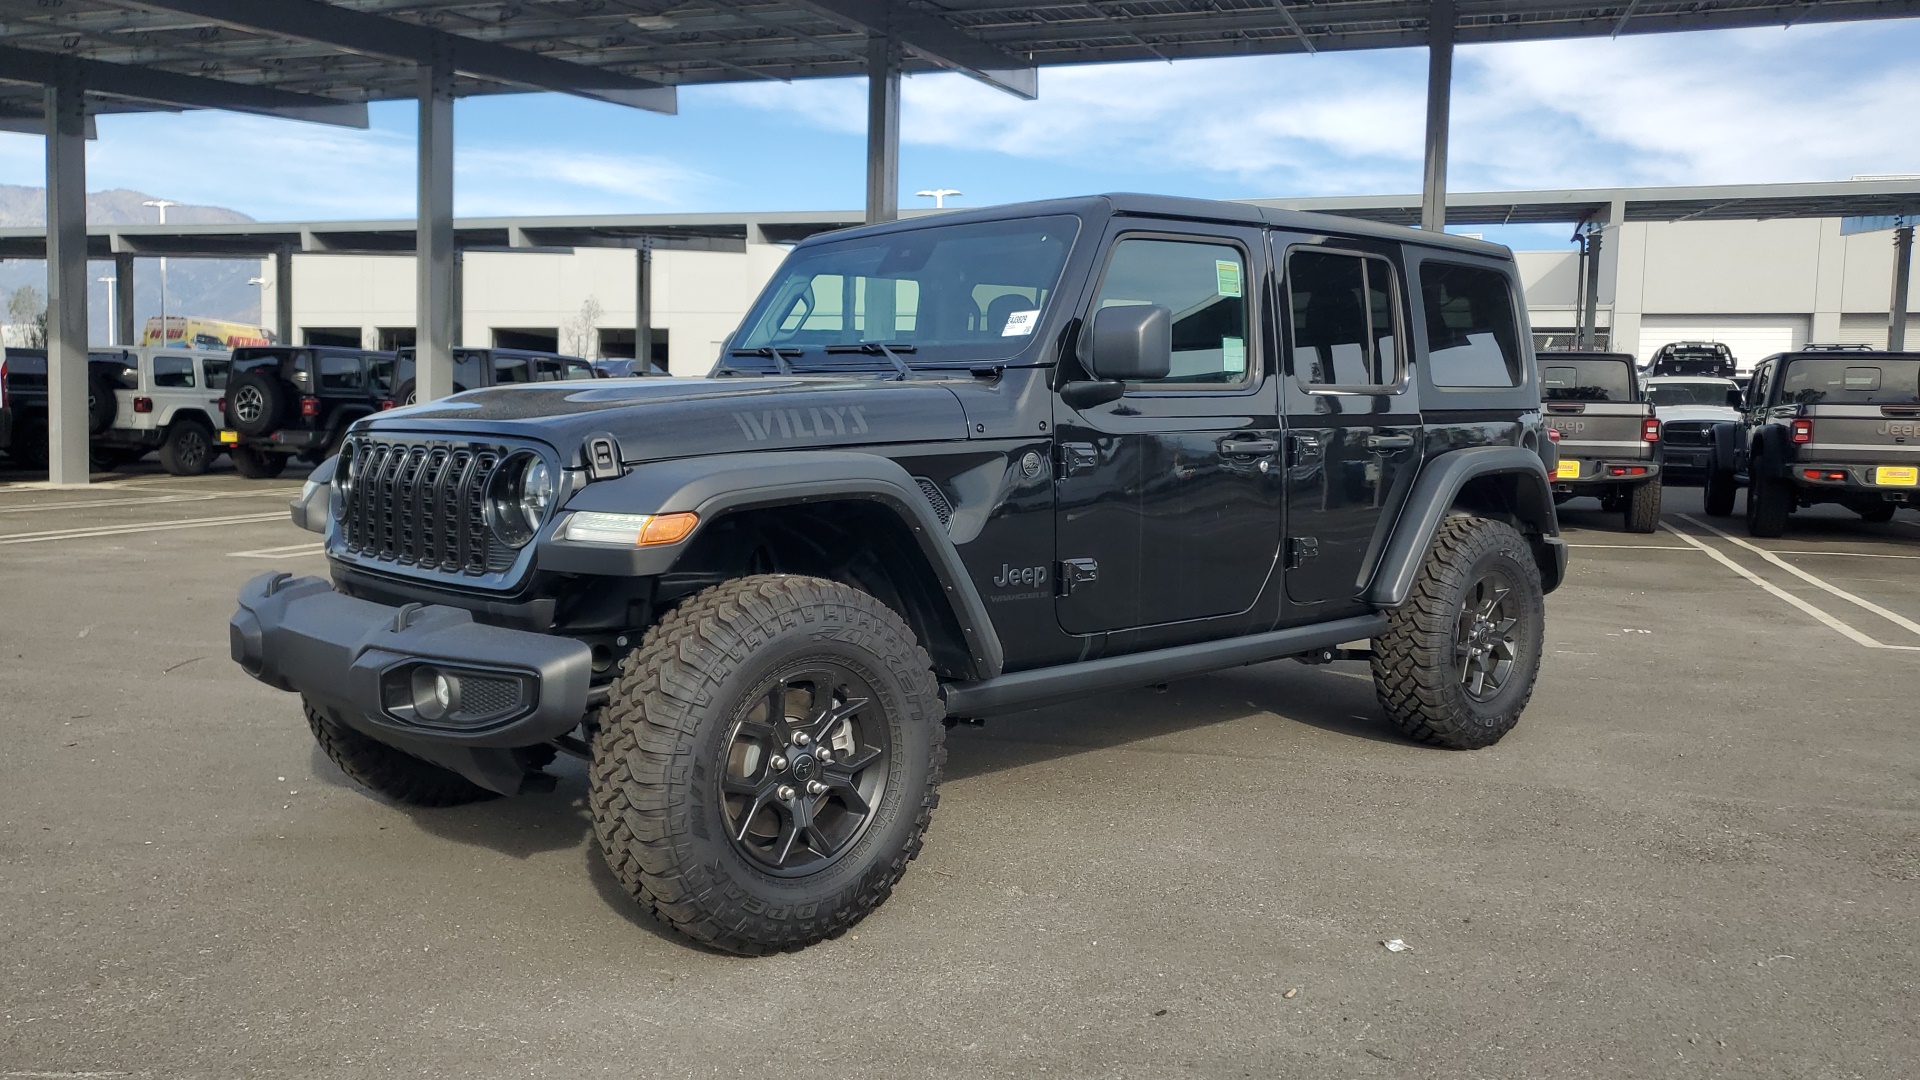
[
  {"x": 1473, "y": 338},
  {"x": 1585, "y": 380},
  {"x": 1880, "y": 381}
]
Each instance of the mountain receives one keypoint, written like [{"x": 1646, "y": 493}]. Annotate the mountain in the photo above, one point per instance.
[{"x": 216, "y": 288}]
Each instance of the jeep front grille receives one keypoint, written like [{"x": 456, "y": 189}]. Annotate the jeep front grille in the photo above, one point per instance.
[{"x": 423, "y": 505}]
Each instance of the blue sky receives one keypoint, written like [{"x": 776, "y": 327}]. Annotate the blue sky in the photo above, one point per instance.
[{"x": 1809, "y": 103}]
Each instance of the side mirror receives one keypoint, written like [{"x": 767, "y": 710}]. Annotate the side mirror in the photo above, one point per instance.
[
  {"x": 1131, "y": 343},
  {"x": 1735, "y": 399}
]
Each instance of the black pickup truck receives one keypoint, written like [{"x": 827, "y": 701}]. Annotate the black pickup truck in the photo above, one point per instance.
[
  {"x": 1822, "y": 427},
  {"x": 475, "y": 368},
  {"x": 1703, "y": 358},
  {"x": 950, "y": 467},
  {"x": 1610, "y": 445}
]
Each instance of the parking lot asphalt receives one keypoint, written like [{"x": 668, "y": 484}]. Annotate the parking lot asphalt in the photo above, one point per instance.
[{"x": 1698, "y": 854}]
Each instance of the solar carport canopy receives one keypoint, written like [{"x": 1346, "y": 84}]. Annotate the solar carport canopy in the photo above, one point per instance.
[{"x": 364, "y": 50}]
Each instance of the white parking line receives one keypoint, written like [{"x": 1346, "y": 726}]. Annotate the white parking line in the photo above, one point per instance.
[
  {"x": 1893, "y": 617},
  {"x": 1631, "y": 547},
  {"x": 310, "y": 548},
  {"x": 139, "y": 527},
  {"x": 1829, "y": 621},
  {"x": 146, "y": 500}
]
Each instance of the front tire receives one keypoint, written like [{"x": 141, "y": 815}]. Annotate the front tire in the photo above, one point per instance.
[
  {"x": 1458, "y": 661},
  {"x": 1718, "y": 492},
  {"x": 1643, "y": 508},
  {"x": 394, "y": 773},
  {"x": 709, "y": 797}
]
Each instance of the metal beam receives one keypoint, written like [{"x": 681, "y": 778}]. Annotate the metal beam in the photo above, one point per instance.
[
  {"x": 433, "y": 252},
  {"x": 283, "y": 294},
  {"x": 1433, "y": 185},
  {"x": 1902, "y": 270},
  {"x": 1590, "y": 303},
  {"x": 67, "y": 430},
  {"x": 124, "y": 332},
  {"x": 643, "y": 310},
  {"x": 376, "y": 35},
  {"x": 883, "y": 130},
  {"x": 936, "y": 39},
  {"x": 189, "y": 91}
]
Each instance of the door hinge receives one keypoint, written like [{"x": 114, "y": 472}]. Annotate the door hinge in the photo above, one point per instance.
[
  {"x": 1076, "y": 457},
  {"x": 1076, "y": 572},
  {"x": 1302, "y": 450},
  {"x": 1300, "y": 549}
]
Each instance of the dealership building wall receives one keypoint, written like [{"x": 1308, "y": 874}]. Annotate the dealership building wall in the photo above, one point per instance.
[{"x": 1758, "y": 286}]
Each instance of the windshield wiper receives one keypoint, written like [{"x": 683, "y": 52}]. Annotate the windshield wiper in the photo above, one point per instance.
[
  {"x": 776, "y": 353},
  {"x": 880, "y": 348}
]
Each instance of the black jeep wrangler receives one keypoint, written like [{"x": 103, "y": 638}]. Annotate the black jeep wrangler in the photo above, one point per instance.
[
  {"x": 1610, "y": 445},
  {"x": 475, "y": 368},
  {"x": 1821, "y": 426},
  {"x": 298, "y": 400},
  {"x": 948, "y": 469}
]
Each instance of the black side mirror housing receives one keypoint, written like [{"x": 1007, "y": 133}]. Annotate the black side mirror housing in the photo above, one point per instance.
[
  {"x": 1131, "y": 343},
  {"x": 1736, "y": 399}
]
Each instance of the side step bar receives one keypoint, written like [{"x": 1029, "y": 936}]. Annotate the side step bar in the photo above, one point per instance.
[{"x": 1049, "y": 686}]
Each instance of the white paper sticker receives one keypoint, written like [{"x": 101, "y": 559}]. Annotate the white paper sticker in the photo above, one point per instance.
[
  {"x": 1233, "y": 354},
  {"x": 1020, "y": 324}
]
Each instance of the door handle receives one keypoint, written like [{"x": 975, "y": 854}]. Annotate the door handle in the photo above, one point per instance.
[
  {"x": 1381, "y": 444},
  {"x": 1249, "y": 446}
]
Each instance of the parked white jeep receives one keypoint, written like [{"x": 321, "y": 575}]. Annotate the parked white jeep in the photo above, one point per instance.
[{"x": 156, "y": 399}]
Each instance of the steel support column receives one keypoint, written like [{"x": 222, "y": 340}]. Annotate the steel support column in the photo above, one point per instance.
[
  {"x": 1902, "y": 270},
  {"x": 124, "y": 330},
  {"x": 67, "y": 431},
  {"x": 1590, "y": 303},
  {"x": 883, "y": 129},
  {"x": 643, "y": 309},
  {"x": 1433, "y": 185},
  {"x": 435, "y": 267},
  {"x": 283, "y": 295}
]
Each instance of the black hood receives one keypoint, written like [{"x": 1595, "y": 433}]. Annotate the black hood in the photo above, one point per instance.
[{"x": 656, "y": 418}]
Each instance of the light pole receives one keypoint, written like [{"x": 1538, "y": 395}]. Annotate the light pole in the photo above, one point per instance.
[
  {"x": 939, "y": 196},
  {"x": 161, "y": 205},
  {"x": 113, "y": 321}
]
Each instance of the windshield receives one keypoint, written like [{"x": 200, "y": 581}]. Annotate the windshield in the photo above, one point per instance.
[
  {"x": 948, "y": 292},
  {"x": 1692, "y": 393},
  {"x": 1852, "y": 381},
  {"x": 1586, "y": 380}
]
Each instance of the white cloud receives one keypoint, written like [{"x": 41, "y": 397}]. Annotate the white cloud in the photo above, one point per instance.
[{"x": 554, "y": 180}]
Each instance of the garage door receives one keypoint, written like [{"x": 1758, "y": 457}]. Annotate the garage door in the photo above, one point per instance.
[{"x": 1752, "y": 338}]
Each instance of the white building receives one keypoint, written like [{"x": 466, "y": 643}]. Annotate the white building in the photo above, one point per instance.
[{"x": 1778, "y": 278}]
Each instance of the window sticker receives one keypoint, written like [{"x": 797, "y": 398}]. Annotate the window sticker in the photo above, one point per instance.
[
  {"x": 1233, "y": 354},
  {"x": 1020, "y": 324},
  {"x": 1226, "y": 273}
]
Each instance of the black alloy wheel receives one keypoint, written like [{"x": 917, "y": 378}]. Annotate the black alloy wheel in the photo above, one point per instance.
[
  {"x": 1484, "y": 644},
  {"x": 803, "y": 770}
]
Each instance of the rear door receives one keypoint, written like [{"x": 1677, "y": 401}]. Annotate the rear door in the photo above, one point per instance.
[
  {"x": 1352, "y": 414},
  {"x": 1167, "y": 500}
]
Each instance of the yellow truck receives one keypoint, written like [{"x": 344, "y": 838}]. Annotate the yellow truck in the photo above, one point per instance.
[{"x": 193, "y": 332}]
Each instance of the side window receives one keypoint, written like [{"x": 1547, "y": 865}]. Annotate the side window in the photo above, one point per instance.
[
  {"x": 1345, "y": 331},
  {"x": 1473, "y": 338},
  {"x": 380, "y": 374},
  {"x": 1204, "y": 285},
  {"x": 1757, "y": 388},
  {"x": 545, "y": 370},
  {"x": 216, "y": 373},
  {"x": 341, "y": 374},
  {"x": 173, "y": 372},
  {"x": 511, "y": 369},
  {"x": 577, "y": 370}
]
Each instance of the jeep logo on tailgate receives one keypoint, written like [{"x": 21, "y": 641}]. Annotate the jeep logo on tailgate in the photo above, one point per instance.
[
  {"x": 1902, "y": 431},
  {"x": 1568, "y": 427}
]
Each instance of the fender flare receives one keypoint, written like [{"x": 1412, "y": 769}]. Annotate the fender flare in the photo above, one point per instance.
[
  {"x": 717, "y": 485},
  {"x": 1770, "y": 461},
  {"x": 1433, "y": 496},
  {"x": 1726, "y": 446}
]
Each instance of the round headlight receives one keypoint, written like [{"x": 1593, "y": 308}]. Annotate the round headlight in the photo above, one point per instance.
[
  {"x": 519, "y": 496},
  {"x": 347, "y": 469}
]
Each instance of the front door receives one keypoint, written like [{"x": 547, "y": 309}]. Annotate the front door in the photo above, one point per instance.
[
  {"x": 1168, "y": 500},
  {"x": 1353, "y": 424}
]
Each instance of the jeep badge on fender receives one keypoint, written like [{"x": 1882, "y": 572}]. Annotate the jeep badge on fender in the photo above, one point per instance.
[{"x": 1064, "y": 451}]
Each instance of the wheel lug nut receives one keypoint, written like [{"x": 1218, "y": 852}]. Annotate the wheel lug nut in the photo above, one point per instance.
[
  {"x": 778, "y": 764},
  {"x": 801, "y": 738},
  {"x": 786, "y": 793},
  {"x": 824, "y": 757},
  {"x": 815, "y": 787}
]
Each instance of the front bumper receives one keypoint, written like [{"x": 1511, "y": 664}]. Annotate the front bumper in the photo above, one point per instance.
[
  {"x": 374, "y": 666},
  {"x": 1600, "y": 472}
]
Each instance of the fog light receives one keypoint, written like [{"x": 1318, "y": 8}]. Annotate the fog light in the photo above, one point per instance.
[{"x": 436, "y": 694}]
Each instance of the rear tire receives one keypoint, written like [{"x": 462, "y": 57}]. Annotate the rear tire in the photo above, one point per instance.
[
  {"x": 1876, "y": 513},
  {"x": 1768, "y": 504},
  {"x": 1458, "y": 661},
  {"x": 1643, "y": 508},
  {"x": 1718, "y": 492},
  {"x": 706, "y": 796},
  {"x": 394, "y": 773},
  {"x": 257, "y": 464},
  {"x": 102, "y": 406},
  {"x": 188, "y": 448}
]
